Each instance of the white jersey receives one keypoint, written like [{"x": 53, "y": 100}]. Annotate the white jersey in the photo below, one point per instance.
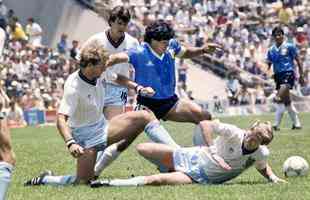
[
  {"x": 229, "y": 146},
  {"x": 31, "y": 30},
  {"x": 127, "y": 43},
  {"x": 82, "y": 101}
]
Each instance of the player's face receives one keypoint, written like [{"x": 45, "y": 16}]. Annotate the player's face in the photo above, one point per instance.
[
  {"x": 251, "y": 141},
  {"x": 98, "y": 70},
  {"x": 160, "y": 46},
  {"x": 119, "y": 26},
  {"x": 279, "y": 37}
]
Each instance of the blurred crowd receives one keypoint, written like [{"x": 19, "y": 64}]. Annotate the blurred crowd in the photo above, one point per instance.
[{"x": 32, "y": 75}]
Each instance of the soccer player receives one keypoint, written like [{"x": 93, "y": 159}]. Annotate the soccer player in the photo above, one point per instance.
[
  {"x": 282, "y": 56},
  {"x": 7, "y": 156},
  {"x": 82, "y": 124},
  {"x": 115, "y": 40},
  {"x": 154, "y": 64},
  {"x": 215, "y": 162}
]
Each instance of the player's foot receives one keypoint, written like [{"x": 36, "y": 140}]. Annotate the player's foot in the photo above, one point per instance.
[
  {"x": 100, "y": 183},
  {"x": 275, "y": 128},
  {"x": 296, "y": 127},
  {"x": 39, "y": 179}
]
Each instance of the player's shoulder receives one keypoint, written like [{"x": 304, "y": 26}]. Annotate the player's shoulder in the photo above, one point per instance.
[
  {"x": 131, "y": 38},
  {"x": 263, "y": 150},
  {"x": 72, "y": 81}
]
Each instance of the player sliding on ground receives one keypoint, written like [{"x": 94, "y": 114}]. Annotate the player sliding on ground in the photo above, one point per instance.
[
  {"x": 231, "y": 153},
  {"x": 81, "y": 123}
]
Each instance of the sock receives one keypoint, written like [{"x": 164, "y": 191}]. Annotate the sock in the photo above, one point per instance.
[
  {"x": 59, "y": 180},
  {"x": 136, "y": 181},
  {"x": 106, "y": 158},
  {"x": 157, "y": 133},
  {"x": 5, "y": 178},
  {"x": 280, "y": 108},
  {"x": 293, "y": 115}
]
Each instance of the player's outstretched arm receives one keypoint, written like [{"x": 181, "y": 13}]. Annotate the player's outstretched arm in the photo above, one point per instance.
[
  {"x": 117, "y": 58},
  {"x": 208, "y": 48},
  {"x": 268, "y": 174}
]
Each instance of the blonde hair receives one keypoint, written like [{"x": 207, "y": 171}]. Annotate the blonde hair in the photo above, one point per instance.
[
  {"x": 93, "y": 54},
  {"x": 263, "y": 131}
]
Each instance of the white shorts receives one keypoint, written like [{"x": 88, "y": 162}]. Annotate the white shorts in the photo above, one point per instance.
[
  {"x": 188, "y": 161},
  {"x": 115, "y": 95},
  {"x": 92, "y": 136}
]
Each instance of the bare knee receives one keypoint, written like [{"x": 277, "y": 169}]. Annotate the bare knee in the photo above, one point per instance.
[
  {"x": 201, "y": 115},
  {"x": 146, "y": 116},
  {"x": 8, "y": 156},
  {"x": 143, "y": 148}
]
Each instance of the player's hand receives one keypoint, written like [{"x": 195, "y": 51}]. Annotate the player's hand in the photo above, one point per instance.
[
  {"x": 147, "y": 91},
  {"x": 221, "y": 162},
  {"x": 211, "y": 48},
  {"x": 76, "y": 150},
  {"x": 278, "y": 180}
]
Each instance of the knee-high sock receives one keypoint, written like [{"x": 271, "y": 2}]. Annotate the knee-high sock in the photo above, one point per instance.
[
  {"x": 136, "y": 181},
  {"x": 293, "y": 115},
  {"x": 5, "y": 178},
  {"x": 59, "y": 180},
  {"x": 157, "y": 133},
  {"x": 280, "y": 109},
  {"x": 106, "y": 158}
]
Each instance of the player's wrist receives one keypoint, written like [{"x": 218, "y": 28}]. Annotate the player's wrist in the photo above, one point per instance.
[
  {"x": 70, "y": 142},
  {"x": 138, "y": 88},
  {"x": 273, "y": 178}
]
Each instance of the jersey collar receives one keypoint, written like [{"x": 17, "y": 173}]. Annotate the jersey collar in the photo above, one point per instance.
[
  {"x": 84, "y": 78},
  {"x": 113, "y": 43},
  {"x": 154, "y": 53}
]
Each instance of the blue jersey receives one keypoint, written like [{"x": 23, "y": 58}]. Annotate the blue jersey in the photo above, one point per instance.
[
  {"x": 282, "y": 58},
  {"x": 152, "y": 70}
]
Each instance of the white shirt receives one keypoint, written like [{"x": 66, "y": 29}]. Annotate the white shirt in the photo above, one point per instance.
[
  {"x": 2, "y": 41},
  {"x": 82, "y": 102},
  {"x": 128, "y": 42},
  {"x": 31, "y": 30},
  {"x": 229, "y": 146}
]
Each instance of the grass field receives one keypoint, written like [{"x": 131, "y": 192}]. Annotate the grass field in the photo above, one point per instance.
[{"x": 39, "y": 148}]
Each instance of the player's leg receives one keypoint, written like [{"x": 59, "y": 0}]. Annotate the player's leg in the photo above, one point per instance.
[
  {"x": 188, "y": 111},
  {"x": 159, "y": 154},
  {"x": 122, "y": 131},
  {"x": 7, "y": 158},
  {"x": 172, "y": 178}
]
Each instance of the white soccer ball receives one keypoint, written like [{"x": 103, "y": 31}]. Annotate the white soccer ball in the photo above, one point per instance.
[{"x": 295, "y": 166}]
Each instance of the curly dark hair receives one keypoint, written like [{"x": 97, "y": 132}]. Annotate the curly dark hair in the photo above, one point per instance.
[
  {"x": 277, "y": 30},
  {"x": 158, "y": 30},
  {"x": 119, "y": 12}
]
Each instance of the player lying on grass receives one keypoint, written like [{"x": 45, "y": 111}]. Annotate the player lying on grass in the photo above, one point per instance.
[
  {"x": 82, "y": 124},
  {"x": 218, "y": 161}
]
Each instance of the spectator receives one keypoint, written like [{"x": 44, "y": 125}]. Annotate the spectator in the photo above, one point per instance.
[
  {"x": 74, "y": 50},
  {"x": 34, "y": 32},
  {"x": 62, "y": 45},
  {"x": 16, "y": 115}
]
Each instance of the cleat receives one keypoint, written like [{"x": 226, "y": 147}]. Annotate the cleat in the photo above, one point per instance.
[
  {"x": 99, "y": 183},
  {"x": 38, "y": 180},
  {"x": 275, "y": 128},
  {"x": 296, "y": 127}
]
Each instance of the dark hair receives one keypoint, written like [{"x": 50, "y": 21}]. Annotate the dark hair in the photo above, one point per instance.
[
  {"x": 119, "y": 12},
  {"x": 277, "y": 30},
  {"x": 31, "y": 19},
  {"x": 158, "y": 30}
]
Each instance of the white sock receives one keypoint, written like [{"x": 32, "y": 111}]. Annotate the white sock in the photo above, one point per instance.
[
  {"x": 293, "y": 115},
  {"x": 157, "y": 133},
  {"x": 136, "y": 181},
  {"x": 280, "y": 108},
  {"x": 59, "y": 180},
  {"x": 5, "y": 178},
  {"x": 106, "y": 158}
]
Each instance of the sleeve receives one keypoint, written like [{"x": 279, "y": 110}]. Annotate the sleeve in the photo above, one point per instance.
[
  {"x": 175, "y": 48},
  {"x": 133, "y": 55},
  {"x": 261, "y": 156},
  {"x": 68, "y": 102},
  {"x": 226, "y": 130},
  {"x": 269, "y": 57}
]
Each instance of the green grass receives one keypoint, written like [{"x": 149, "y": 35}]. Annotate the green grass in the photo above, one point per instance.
[{"x": 39, "y": 148}]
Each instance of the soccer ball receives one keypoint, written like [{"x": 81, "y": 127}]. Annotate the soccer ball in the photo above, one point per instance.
[{"x": 295, "y": 166}]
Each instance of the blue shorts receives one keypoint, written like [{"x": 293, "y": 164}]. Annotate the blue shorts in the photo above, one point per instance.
[
  {"x": 188, "y": 161},
  {"x": 92, "y": 136},
  {"x": 115, "y": 95},
  {"x": 160, "y": 107},
  {"x": 285, "y": 78}
]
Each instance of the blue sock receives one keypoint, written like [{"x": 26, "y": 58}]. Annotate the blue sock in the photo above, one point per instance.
[
  {"x": 157, "y": 133},
  {"x": 5, "y": 178}
]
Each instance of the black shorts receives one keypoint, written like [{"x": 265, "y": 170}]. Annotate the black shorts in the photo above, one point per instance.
[
  {"x": 285, "y": 78},
  {"x": 160, "y": 107}
]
